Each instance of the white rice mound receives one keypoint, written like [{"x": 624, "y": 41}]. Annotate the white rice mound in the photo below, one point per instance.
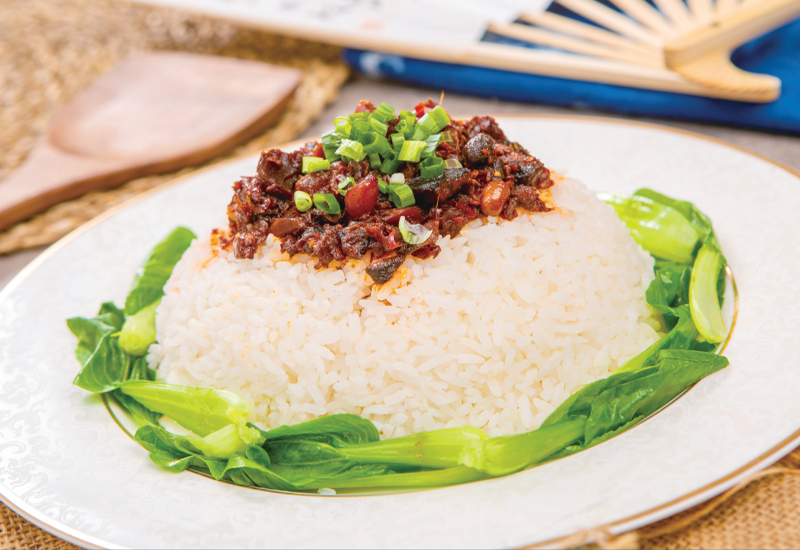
[{"x": 495, "y": 332}]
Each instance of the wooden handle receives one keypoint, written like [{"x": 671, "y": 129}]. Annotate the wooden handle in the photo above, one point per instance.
[
  {"x": 50, "y": 176},
  {"x": 731, "y": 31}
]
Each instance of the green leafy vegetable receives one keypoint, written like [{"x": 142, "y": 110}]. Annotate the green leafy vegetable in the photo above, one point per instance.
[
  {"x": 201, "y": 410},
  {"x": 148, "y": 284},
  {"x": 499, "y": 456},
  {"x": 703, "y": 298},
  {"x": 139, "y": 330},
  {"x": 661, "y": 230}
]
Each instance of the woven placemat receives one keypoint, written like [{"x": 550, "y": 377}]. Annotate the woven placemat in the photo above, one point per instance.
[{"x": 51, "y": 49}]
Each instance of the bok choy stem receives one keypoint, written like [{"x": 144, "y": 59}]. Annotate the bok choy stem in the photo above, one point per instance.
[{"x": 703, "y": 296}]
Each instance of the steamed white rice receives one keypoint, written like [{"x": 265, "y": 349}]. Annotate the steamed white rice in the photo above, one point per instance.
[{"x": 497, "y": 331}]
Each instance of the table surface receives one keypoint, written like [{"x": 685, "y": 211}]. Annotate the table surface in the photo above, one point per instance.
[{"x": 782, "y": 148}]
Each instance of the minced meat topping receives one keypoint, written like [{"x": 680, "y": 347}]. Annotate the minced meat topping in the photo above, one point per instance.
[{"x": 480, "y": 172}]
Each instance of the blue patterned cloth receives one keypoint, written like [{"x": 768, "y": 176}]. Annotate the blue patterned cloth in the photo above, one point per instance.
[{"x": 776, "y": 53}]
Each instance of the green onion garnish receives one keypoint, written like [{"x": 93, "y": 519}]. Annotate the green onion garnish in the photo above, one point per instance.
[
  {"x": 302, "y": 201},
  {"x": 413, "y": 233},
  {"x": 378, "y": 126},
  {"x": 390, "y": 166},
  {"x": 434, "y": 120},
  {"x": 383, "y": 112},
  {"x": 397, "y": 141},
  {"x": 361, "y": 129},
  {"x": 397, "y": 177},
  {"x": 401, "y": 195},
  {"x": 430, "y": 145},
  {"x": 408, "y": 120},
  {"x": 374, "y": 160},
  {"x": 331, "y": 142},
  {"x": 452, "y": 163},
  {"x": 447, "y": 136},
  {"x": 410, "y": 151},
  {"x": 442, "y": 119},
  {"x": 352, "y": 150},
  {"x": 420, "y": 133},
  {"x": 346, "y": 184},
  {"x": 315, "y": 164},
  {"x": 383, "y": 187},
  {"x": 342, "y": 126},
  {"x": 378, "y": 144},
  {"x": 327, "y": 203},
  {"x": 356, "y": 116},
  {"x": 431, "y": 167}
]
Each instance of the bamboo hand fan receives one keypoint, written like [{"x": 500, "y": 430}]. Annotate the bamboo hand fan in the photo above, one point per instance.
[
  {"x": 680, "y": 46},
  {"x": 692, "y": 40}
]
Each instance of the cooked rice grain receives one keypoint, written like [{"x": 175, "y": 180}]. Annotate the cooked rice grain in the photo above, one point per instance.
[{"x": 497, "y": 331}]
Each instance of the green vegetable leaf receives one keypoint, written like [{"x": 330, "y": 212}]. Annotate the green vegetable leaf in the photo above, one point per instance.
[
  {"x": 106, "y": 368},
  {"x": 661, "y": 230},
  {"x": 499, "y": 456},
  {"x": 337, "y": 430},
  {"x": 90, "y": 331},
  {"x": 699, "y": 220},
  {"x": 669, "y": 289},
  {"x": 674, "y": 372},
  {"x": 201, "y": 410},
  {"x": 703, "y": 294},
  {"x": 139, "y": 330},
  {"x": 434, "y": 449},
  {"x": 148, "y": 284}
]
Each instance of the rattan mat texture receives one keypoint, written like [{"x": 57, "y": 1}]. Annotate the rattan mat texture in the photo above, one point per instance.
[{"x": 51, "y": 49}]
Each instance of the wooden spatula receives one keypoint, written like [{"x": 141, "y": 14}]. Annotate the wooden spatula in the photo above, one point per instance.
[{"x": 154, "y": 112}]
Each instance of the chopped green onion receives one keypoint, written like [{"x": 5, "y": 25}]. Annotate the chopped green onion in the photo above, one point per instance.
[
  {"x": 447, "y": 136},
  {"x": 327, "y": 203},
  {"x": 452, "y": 163},
  {"x": 401, "y": 195},
  {"x": 357, "y": 116},
  {"x": 330, "y": 139},
  {"x": 397, "y": 177},
  {"x": 330, "y": 153},
  {"x": 442, "y": 119},
  {"x": 378, "y": 126},
  {"x": 383, "y": 112},
  {"x": 342, "y": 126},
  {"x": 428, "y": 124},
  {"x": 433, "y": 121},
  {"x": 413, "y": 233},
  {"x": 430, "y": 145},
  {"x": 374, "y": 160},
  {"x": 431, "y": 167},
  {"x": 420, "y": 133},
  {"x": 352, "y": 150},
  {"x": 315, "y": 164},
  {"x": 390, "y": 166},
  {"x": 408, "y": 120},
  {"x": 410, "y": 151},
  {"x": 346, "y": 184},
  {"x": 361, "y": 129},
  {"x": 397, "y": 141},
  {"x": 378, "y": 144},
  {"x": 331, "y": 142},
  {"x": 383, "y": 187},
  {"x": 302, "y": 201}
]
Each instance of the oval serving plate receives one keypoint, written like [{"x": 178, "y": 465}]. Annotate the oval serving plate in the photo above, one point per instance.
[{"x": 66, "y": 466}]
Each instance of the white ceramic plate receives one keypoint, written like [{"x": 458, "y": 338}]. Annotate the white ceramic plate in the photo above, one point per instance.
[{"x": 67, "y": 467}]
